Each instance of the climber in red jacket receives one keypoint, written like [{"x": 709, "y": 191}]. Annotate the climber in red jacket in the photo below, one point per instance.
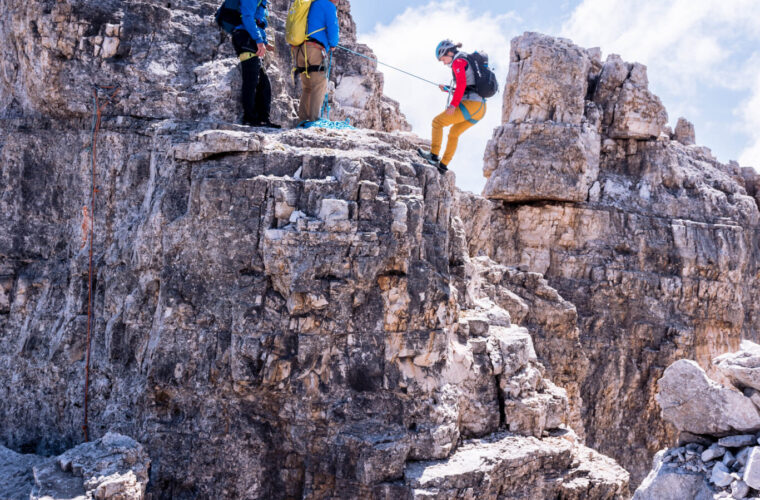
[{"x": 466, "y": 108}]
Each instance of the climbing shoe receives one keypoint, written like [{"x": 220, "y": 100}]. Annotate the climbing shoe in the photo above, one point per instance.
[
  {"x": 429, "y": 157},
  {"x": 442, "y": 168}
]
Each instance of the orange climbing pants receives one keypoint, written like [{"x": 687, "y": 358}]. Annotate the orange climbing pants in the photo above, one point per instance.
[{"x": 466, "y": 115}]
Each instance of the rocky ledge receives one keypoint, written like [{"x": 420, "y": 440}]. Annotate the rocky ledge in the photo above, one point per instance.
[{"x": 113, "y": 467}]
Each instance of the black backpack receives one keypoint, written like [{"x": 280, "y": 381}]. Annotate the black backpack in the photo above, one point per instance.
[
  {"x": 486, "y": 84},
  {"x": 228, "y": 16}
]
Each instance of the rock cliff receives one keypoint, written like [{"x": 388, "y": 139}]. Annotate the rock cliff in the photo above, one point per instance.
[
  {"x": 315, "y": 314},
  {"x": 276, "y": 314},
  {"x": 652, "y": 241}
]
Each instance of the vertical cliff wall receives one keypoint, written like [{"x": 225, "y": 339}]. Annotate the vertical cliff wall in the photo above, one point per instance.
[{"x": 652, "y": 239}]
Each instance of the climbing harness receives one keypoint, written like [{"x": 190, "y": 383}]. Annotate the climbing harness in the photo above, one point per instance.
[
  {"x": 244, "y": 56},
  {"x": 109, "y": 98},
  {"x": 466, "y": 112}
]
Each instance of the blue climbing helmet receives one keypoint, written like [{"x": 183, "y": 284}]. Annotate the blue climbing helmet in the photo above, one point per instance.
[{"x": 444, "y": 47}]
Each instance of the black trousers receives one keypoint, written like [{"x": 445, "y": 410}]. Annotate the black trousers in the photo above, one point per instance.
[{"x": 257, "y": 91}]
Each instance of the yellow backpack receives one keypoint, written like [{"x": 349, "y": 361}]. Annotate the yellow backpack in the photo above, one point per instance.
[{"x": 297, "y": 23}]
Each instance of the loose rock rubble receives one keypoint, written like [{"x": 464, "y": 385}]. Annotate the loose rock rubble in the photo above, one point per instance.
[
  {"x": 714, "y": 461},
  {"x": 114, "y": 467}
]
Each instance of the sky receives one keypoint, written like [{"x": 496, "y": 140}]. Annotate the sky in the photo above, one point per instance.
[{"x": 703, "y": 59}]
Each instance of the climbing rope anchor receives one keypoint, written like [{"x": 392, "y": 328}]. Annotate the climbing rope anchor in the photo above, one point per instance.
[{"x": 109, "y": 98}]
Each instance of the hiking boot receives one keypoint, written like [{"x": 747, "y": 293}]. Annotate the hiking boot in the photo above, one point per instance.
[
  {"x": 442, "y": 168},
  {"x": 429, "y": 157}
]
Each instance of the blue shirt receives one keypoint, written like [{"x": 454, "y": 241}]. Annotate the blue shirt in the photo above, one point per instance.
[
  {"x": 252, "y": 11},
  {"x": 324, "y": 14}
]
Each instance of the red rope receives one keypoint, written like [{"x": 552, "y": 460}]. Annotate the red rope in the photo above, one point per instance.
[{"x": 95, "y": 130}]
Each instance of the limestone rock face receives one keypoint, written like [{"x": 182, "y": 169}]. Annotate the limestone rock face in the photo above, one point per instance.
[
  {"x": 629, "y": 109},
  {"x": 530, "y": 97},
  {"x": 546, "y": 148},
  {"x": 169, "y": 60},
  {"x": 276, "y": 315},
  {"x": 523, "y": 164},
  {"x": 113, "y": 467},
  {"x": 655, "y": 246}
]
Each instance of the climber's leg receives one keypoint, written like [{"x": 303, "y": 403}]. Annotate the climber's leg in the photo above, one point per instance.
[{"x": 468, "y": 114}]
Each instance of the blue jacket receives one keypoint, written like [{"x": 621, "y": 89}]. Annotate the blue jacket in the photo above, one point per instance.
[
  {"x": 253, "y": 11},
  {"x": 324, "y": 14}
]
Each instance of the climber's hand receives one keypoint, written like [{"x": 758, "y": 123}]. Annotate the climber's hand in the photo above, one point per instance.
[
  {"x": 270, "y": 48},
  {"x": 443, "y": 88},
  {"x": 262, "y": 50},
  {"x": 450, "y": 110}
]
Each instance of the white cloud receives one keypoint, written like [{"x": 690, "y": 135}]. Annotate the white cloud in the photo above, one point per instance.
[
  {"x": 750, "y": 113},
  {"x": 691, "y": 47},
  {"x": 409, "y": 42}
]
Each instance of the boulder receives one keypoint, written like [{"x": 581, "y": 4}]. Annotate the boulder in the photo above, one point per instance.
[
  {"x": 684, "y": 132},
  {"x": 548, "y": 80},
  {"x": 541, "y": 161},
  {"x": 694, "y": 403},
  {"x": 629, "y": 109},
  {"x": 752, "y": 470},
  {"x": 742, "y": 368}
]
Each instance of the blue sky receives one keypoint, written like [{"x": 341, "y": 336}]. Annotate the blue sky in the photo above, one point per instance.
[{"x": 703, "y": 58}]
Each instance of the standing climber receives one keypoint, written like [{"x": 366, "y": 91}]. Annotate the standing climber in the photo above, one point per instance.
[
  {"x": 322, "y": 35},
  {"x": 247, "y": 21},
  {"x": 473, "y": 82}
]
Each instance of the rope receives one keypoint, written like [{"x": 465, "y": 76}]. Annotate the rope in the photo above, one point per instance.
[
  {"x": 392, "y": 67},
  {"x": 96, "y": 118},
  {"x": 325, "y": 113}
]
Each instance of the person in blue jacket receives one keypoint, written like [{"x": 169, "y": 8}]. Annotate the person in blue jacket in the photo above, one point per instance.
[
  {"x": 323, "y": 36},
  {"x": 250, "y": 41}
]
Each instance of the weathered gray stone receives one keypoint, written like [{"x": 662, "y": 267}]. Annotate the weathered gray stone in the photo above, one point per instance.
[
  {"x": 713, "y": 452},
  {"x": 684, "y": 132},
  {"x": 738, "y": 441},
  {"x": 752, "y": 470},
  {"x": 529, "y": 96},
  {"x": 666, "y": 483},
  {"x": 541, "y": 161},
  {"x": 694, "y": 403},
  {"x": 739, "y": 489},
  {"x": 721, "y": 475},
  {"x": 742, "y": 368},
  {"x": 506, "y": 463}
]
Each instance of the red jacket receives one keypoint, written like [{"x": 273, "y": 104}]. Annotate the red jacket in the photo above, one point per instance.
[{"x": 459, "y": 68}]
